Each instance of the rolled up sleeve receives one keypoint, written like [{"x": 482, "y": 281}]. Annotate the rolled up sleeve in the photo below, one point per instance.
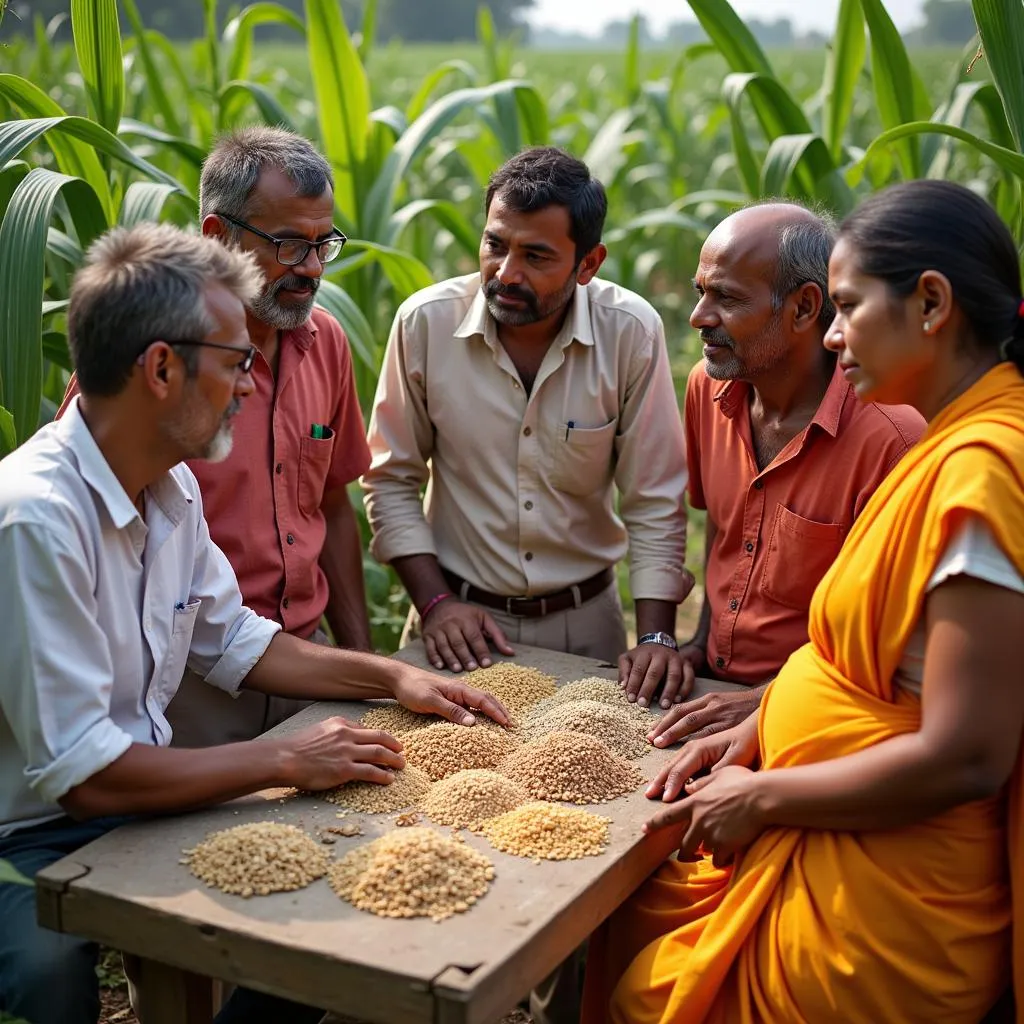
[
  {"x": 228, "y": 638},
  {"x": 57, "y": 680},
  {"x": 651, "y": 476},
  {"x": 401, "y": 441}
]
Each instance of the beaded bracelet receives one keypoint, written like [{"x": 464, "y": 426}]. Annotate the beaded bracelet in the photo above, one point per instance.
[{"x": 433, "y": 603}]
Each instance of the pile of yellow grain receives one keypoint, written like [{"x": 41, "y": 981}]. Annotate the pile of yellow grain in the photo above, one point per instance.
[
  {"x": 409, "y": 787},
  {"x": 516, "y": 686},
  {"x": 548, "y": 831}
]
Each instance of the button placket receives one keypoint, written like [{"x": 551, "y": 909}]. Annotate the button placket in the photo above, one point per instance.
[{"x": 752, "y": 518}]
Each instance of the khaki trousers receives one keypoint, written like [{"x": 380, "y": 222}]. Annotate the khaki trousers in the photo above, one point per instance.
[
  {"x": 594, "y": 630},
  {"x": 203, "y": 716}
]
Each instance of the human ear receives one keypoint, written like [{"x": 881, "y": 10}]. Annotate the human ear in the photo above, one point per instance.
[
  {"x": 591, "y": 264},
  {"x": 807, "y": 301},
  {"x": 933, "y": 299}
]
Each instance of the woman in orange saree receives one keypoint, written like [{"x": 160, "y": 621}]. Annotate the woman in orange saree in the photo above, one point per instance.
[{"x": 872, "y": 870}]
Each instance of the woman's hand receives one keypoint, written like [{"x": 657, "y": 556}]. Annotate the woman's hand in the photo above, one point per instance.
[{"x": 720, "y": 813}]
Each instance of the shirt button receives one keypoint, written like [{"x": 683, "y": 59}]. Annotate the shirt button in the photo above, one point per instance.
[
  {"x": 285, "y": 603},
  {"x": 290, "y": 539},
  {"x": 719, "y": 662},
  {"x": 749, "y": 546},
  {"x": 734, "y": 604},
  {"x": 528, "y": 505},
  {"x": 529, "y": 556},
  {"x": 527, "y": 432},
  {"x": 758, "y": 484},
  {"x": 279, "y": 468},
  {"x": 515, "y": 384}
]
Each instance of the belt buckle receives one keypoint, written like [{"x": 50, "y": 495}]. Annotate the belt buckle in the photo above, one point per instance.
[{"x": 510, "y": 606}]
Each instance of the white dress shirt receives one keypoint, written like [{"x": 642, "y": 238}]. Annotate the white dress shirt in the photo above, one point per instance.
[{"x": 100, "y": 610}]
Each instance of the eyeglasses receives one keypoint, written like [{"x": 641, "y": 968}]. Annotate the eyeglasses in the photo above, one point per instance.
[
  {"x": 244, "y": 364},
  {"x": 293, "y": 251}
]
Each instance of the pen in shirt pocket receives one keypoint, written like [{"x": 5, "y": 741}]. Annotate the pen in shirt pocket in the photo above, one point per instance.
[
  {"x": 568, "y": 427},
  {"x": 320, "y": 432}
]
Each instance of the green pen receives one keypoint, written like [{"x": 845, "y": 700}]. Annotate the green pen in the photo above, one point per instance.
[{"x": 317, "y": 431}]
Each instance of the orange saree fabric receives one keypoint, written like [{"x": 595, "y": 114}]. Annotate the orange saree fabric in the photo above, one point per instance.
[{"x": 911, "y": 924}]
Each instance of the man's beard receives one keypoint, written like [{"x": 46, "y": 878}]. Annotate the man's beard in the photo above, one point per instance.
[
  {"x": 760, "y": 354},
  {"x": 211, "y": 449},
  {"x": 532, "y": 310},
  {"x": 269, "y": 310}
]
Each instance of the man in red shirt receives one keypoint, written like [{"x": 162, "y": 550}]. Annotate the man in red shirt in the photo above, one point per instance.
[
  {"x": 781, "y": 455},
  {"x": 277, "y": 506}
]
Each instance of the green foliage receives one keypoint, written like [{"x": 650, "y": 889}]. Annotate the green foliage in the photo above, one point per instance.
[{"x": 10, "y": 875}]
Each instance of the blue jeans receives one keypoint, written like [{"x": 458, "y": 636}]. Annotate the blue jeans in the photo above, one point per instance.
[{"x": 48, "y": 977}]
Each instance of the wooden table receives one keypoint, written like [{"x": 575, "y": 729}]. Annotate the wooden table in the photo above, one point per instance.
[{"x": 129, "y": 891}]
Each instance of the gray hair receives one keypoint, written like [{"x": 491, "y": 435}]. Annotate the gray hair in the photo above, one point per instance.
[
  {"x": 143, "y": 284},
  {"x": 805, "y": 247},
  {"x": 233, "y": 167}
]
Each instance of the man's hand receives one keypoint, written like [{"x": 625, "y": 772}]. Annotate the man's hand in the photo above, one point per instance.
[
  {"x": 705, "y": 716},
  {"x": 642, "y": 670},
  {"x": 455, "y": 635},
  {"x": 428, "y": 694},
  {"x": 336, "y": 751},
  {"x": 720, "y": 813},
  {"x": 736, "y": 746}
]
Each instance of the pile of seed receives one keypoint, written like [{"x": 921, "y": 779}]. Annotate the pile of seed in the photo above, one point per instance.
[
  {"x": 594, "y": 688},
  {"x": 412, "y": 873},
  {"x": 548, "y": 831},
  {"x": 394, "y": 718},
  {"x": 571, "y": 766},
  {"x": 469, "y": 797},
  {"x": 613, "y": 726},
  {"x": 442, "y": 750},
  {"x": 516, "y": 686},
  {"x": 409, "y": 787},
  {"x": 257, "y": 859}
]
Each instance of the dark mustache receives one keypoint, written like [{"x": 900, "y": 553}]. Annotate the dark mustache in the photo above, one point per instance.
[
  {"x": 495, "y": 287},
  {"x": 297, "y": 281},
  {"x": 715, "y": 337}
]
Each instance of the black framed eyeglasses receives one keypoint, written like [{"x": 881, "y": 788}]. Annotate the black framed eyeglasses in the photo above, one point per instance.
[
  {"x": 244, "y": 364},
  {"x": 293, "y": 251}
]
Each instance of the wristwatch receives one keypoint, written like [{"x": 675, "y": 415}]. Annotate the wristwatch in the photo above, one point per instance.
[{"x": 665, "y": 639}]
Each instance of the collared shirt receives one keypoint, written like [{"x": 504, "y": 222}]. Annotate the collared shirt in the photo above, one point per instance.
[
  {"x": 263, "y": 502},
  {"x": 100, "y": 611},
  {"x": 521, "y": 498},
  {"x": 780, "y": 528}
]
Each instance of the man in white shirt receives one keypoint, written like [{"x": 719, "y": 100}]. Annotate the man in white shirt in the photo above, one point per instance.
[{"x": 112, "y": 585}]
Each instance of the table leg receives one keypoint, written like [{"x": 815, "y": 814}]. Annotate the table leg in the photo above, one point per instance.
[{"x": 169, "y": 995}]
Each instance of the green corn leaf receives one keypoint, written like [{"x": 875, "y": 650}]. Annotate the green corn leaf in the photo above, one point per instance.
[
  {"x": 357, "y": 328},
  {"x": 449, "y": 69},
  {"x": 154, "y": 76},
  {"x": 144, "y": 200},
  {"x": 406, "y": 273},
  {"x": 236, "y": 95},
  {"x": 605, "y": 154},
  {"x": 488, "y": 37},
  {"x": 74, "y": 158},
  {"x": 786, "y": 154},
  {"x": 211, "y": 44},
  {"x": 55, "y": 349},
  {"x": 238, "y": 33},
  {"x": 899, "y": 92},
  {"x": 730, "y": 36},
  {"x": 98, "y": 45},
  {"x": 23, "y": 239},
  {"x": 368, "y": 30},
  {"x": 64, "y": 247},
  {"x": 189, "y": 151},
  {"x": 445, "y": 213},
  {"x": 8, "y": 442},
  {"x": 655, "y": 219},
  {"x": 393, "y": 118},
  {"x": 1001, "y": 27},
  {"x": 632, "y": 69},
  {"x": 342, "y": 94},
  {"x": 11, "y": 177},
  {"x": 843, "y": 68}
]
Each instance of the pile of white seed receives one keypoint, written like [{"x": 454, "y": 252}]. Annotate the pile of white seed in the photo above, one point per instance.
[
  {"x": 257, "y": 859},
  {"x": 415, "y": 872},
  {"x": 409, "y": 787},
  {"x": 595, "y": 688},
  {"x": 442, "y": 750},
  {"x": 548, "y": 831},
  {"x": 614, "y": 726},
  {"x": 516, "y": 686},
  {"x": 467, "y": 798},
  {"x": 571, "y": 767}
]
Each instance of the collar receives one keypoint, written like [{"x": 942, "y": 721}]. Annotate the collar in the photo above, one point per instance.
[
  {"x": 303, "y": 336},
  {"x": 168, "y": 493},
  {"x": 478, "y": 321},
  {"x": 732, "y": 397}
]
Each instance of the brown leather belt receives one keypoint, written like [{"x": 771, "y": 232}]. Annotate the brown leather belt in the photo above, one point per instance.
[{"x": 531, "y": 607}]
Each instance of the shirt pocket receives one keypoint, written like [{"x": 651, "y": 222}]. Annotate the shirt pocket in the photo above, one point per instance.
[
  {"x": 800, "y": 552},
  {"x": 178, "y": 648},
  {"x": 579, "y": 458},
  {"x": 315, "y": 454}
]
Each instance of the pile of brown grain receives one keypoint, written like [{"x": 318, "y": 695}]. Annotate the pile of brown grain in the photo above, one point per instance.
[
  {"x": 467, "y": 798},
  {"x": 548, "y": 831},
  {"x": 257, "y": 859},
  {"x": 394, "y": 718},
  {"x": 571, "y": 766},
  {"x": 612, "y": 725},
  {"x": 409, "y": 787},
  {"x": 516, "y": 686},
  {"x": 442, "y": 750},
  {"x": 594, "y": 688},
  {"x": 412, "y": 873}
]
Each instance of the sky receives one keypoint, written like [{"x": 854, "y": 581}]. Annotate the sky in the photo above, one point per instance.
[{"x": 590, "y": 15}]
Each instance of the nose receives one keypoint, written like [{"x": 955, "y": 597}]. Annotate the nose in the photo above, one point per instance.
[
  {"x": 702, "y": 315},
  {"x": 244, "y": 385},
  {"x": 509, "y": 272},
  {"x": 833, "y": 339},
  {"x": 311, "y": 265}
]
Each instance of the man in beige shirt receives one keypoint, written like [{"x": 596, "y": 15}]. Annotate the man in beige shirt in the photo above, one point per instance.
[{"x": 523, "y": 397}]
